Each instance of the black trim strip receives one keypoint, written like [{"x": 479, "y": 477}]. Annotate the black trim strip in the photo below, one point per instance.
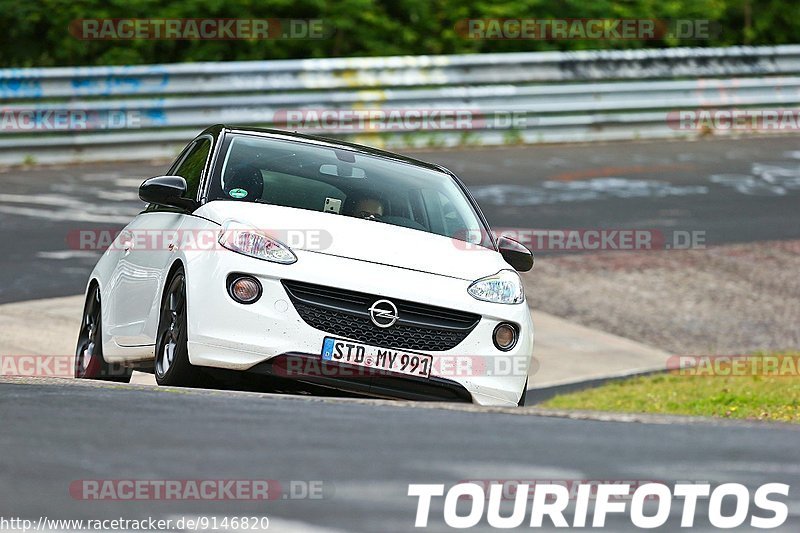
[{"x": 312, "y": 369}]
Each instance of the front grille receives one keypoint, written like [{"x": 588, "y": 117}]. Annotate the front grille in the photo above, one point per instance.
[{"x": 345, "y": 313}]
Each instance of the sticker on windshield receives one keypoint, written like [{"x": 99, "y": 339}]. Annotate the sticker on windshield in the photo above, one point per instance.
[{"x": 237, "y": 193}]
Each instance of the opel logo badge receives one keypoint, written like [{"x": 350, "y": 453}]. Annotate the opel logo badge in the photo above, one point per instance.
[{"x": 383, "y": 313}]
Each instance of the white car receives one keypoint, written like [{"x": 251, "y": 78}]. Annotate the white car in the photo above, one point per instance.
[{"x": 316, "y": 261}]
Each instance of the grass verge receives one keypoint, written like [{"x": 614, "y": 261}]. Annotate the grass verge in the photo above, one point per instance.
[{"x": 754, "y": 387}]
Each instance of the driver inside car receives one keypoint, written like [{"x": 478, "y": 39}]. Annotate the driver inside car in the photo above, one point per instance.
[{"x": 367, "y": 207}]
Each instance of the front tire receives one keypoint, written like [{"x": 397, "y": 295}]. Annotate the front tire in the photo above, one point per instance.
[
  {"x": 89, "y": 361},
  {"x": 172, "y": 366}
]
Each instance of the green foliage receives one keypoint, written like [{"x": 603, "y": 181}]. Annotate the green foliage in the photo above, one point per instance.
[{"x": 36, "y": 31}]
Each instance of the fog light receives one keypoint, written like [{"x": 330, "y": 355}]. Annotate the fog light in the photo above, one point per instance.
[
  {"x": 505, "y": 336},
  {"x": 244, "y": 289}
]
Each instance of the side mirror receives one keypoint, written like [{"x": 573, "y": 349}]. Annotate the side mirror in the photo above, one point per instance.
[
  {"x": 166, "y": 190},
  {"x": 515, "y": 254}
]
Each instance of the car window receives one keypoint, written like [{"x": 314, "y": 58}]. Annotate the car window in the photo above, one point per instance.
[
  {"x": 346, "y": 183},
  {"x": 178, "y": 160},
  {"x": 191, "y": 168},
  {"x": 294, "y": 191}
]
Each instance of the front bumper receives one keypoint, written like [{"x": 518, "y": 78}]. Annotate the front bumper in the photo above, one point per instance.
[{"x": 228, "y": 335}]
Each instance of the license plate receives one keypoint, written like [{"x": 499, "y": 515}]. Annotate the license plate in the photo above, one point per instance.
[{"x": 355, "y": 353}]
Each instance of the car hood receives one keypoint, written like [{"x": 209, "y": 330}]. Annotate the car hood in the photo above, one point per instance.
[{"x": 362, "y": 240}]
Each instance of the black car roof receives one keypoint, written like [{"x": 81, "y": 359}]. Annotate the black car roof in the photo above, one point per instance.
[{"x": 331, "y": 143}]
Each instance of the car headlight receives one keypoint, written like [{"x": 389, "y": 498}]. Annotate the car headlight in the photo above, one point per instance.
[
  {"x": 247, "y": 240},
  {"x": 505, "y": 287}
]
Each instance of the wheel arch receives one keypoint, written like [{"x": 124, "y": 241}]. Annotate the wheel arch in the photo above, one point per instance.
[
  {"x": 92, "y": 283},
  {"x": 176, "y": 264}
]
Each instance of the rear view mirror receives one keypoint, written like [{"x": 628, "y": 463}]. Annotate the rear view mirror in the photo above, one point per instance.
[
  {"x": 515, "y": 254},
  {"x": 343, "y": 171},
  {"x": 166, "y": 190}
]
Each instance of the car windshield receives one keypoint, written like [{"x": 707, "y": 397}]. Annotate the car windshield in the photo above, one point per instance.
[{"x": 346, "y": 183}]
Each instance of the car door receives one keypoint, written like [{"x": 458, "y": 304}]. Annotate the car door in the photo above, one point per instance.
[{"x": 148, "y": 245}]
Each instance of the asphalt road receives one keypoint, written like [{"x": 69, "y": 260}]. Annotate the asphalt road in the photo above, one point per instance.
[
  {"x": 365, "y": 455},
  {"x": 732, "y": 190}
]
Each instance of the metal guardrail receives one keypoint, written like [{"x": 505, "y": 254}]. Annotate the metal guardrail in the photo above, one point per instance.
[{"x": 554, "y": 96}]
